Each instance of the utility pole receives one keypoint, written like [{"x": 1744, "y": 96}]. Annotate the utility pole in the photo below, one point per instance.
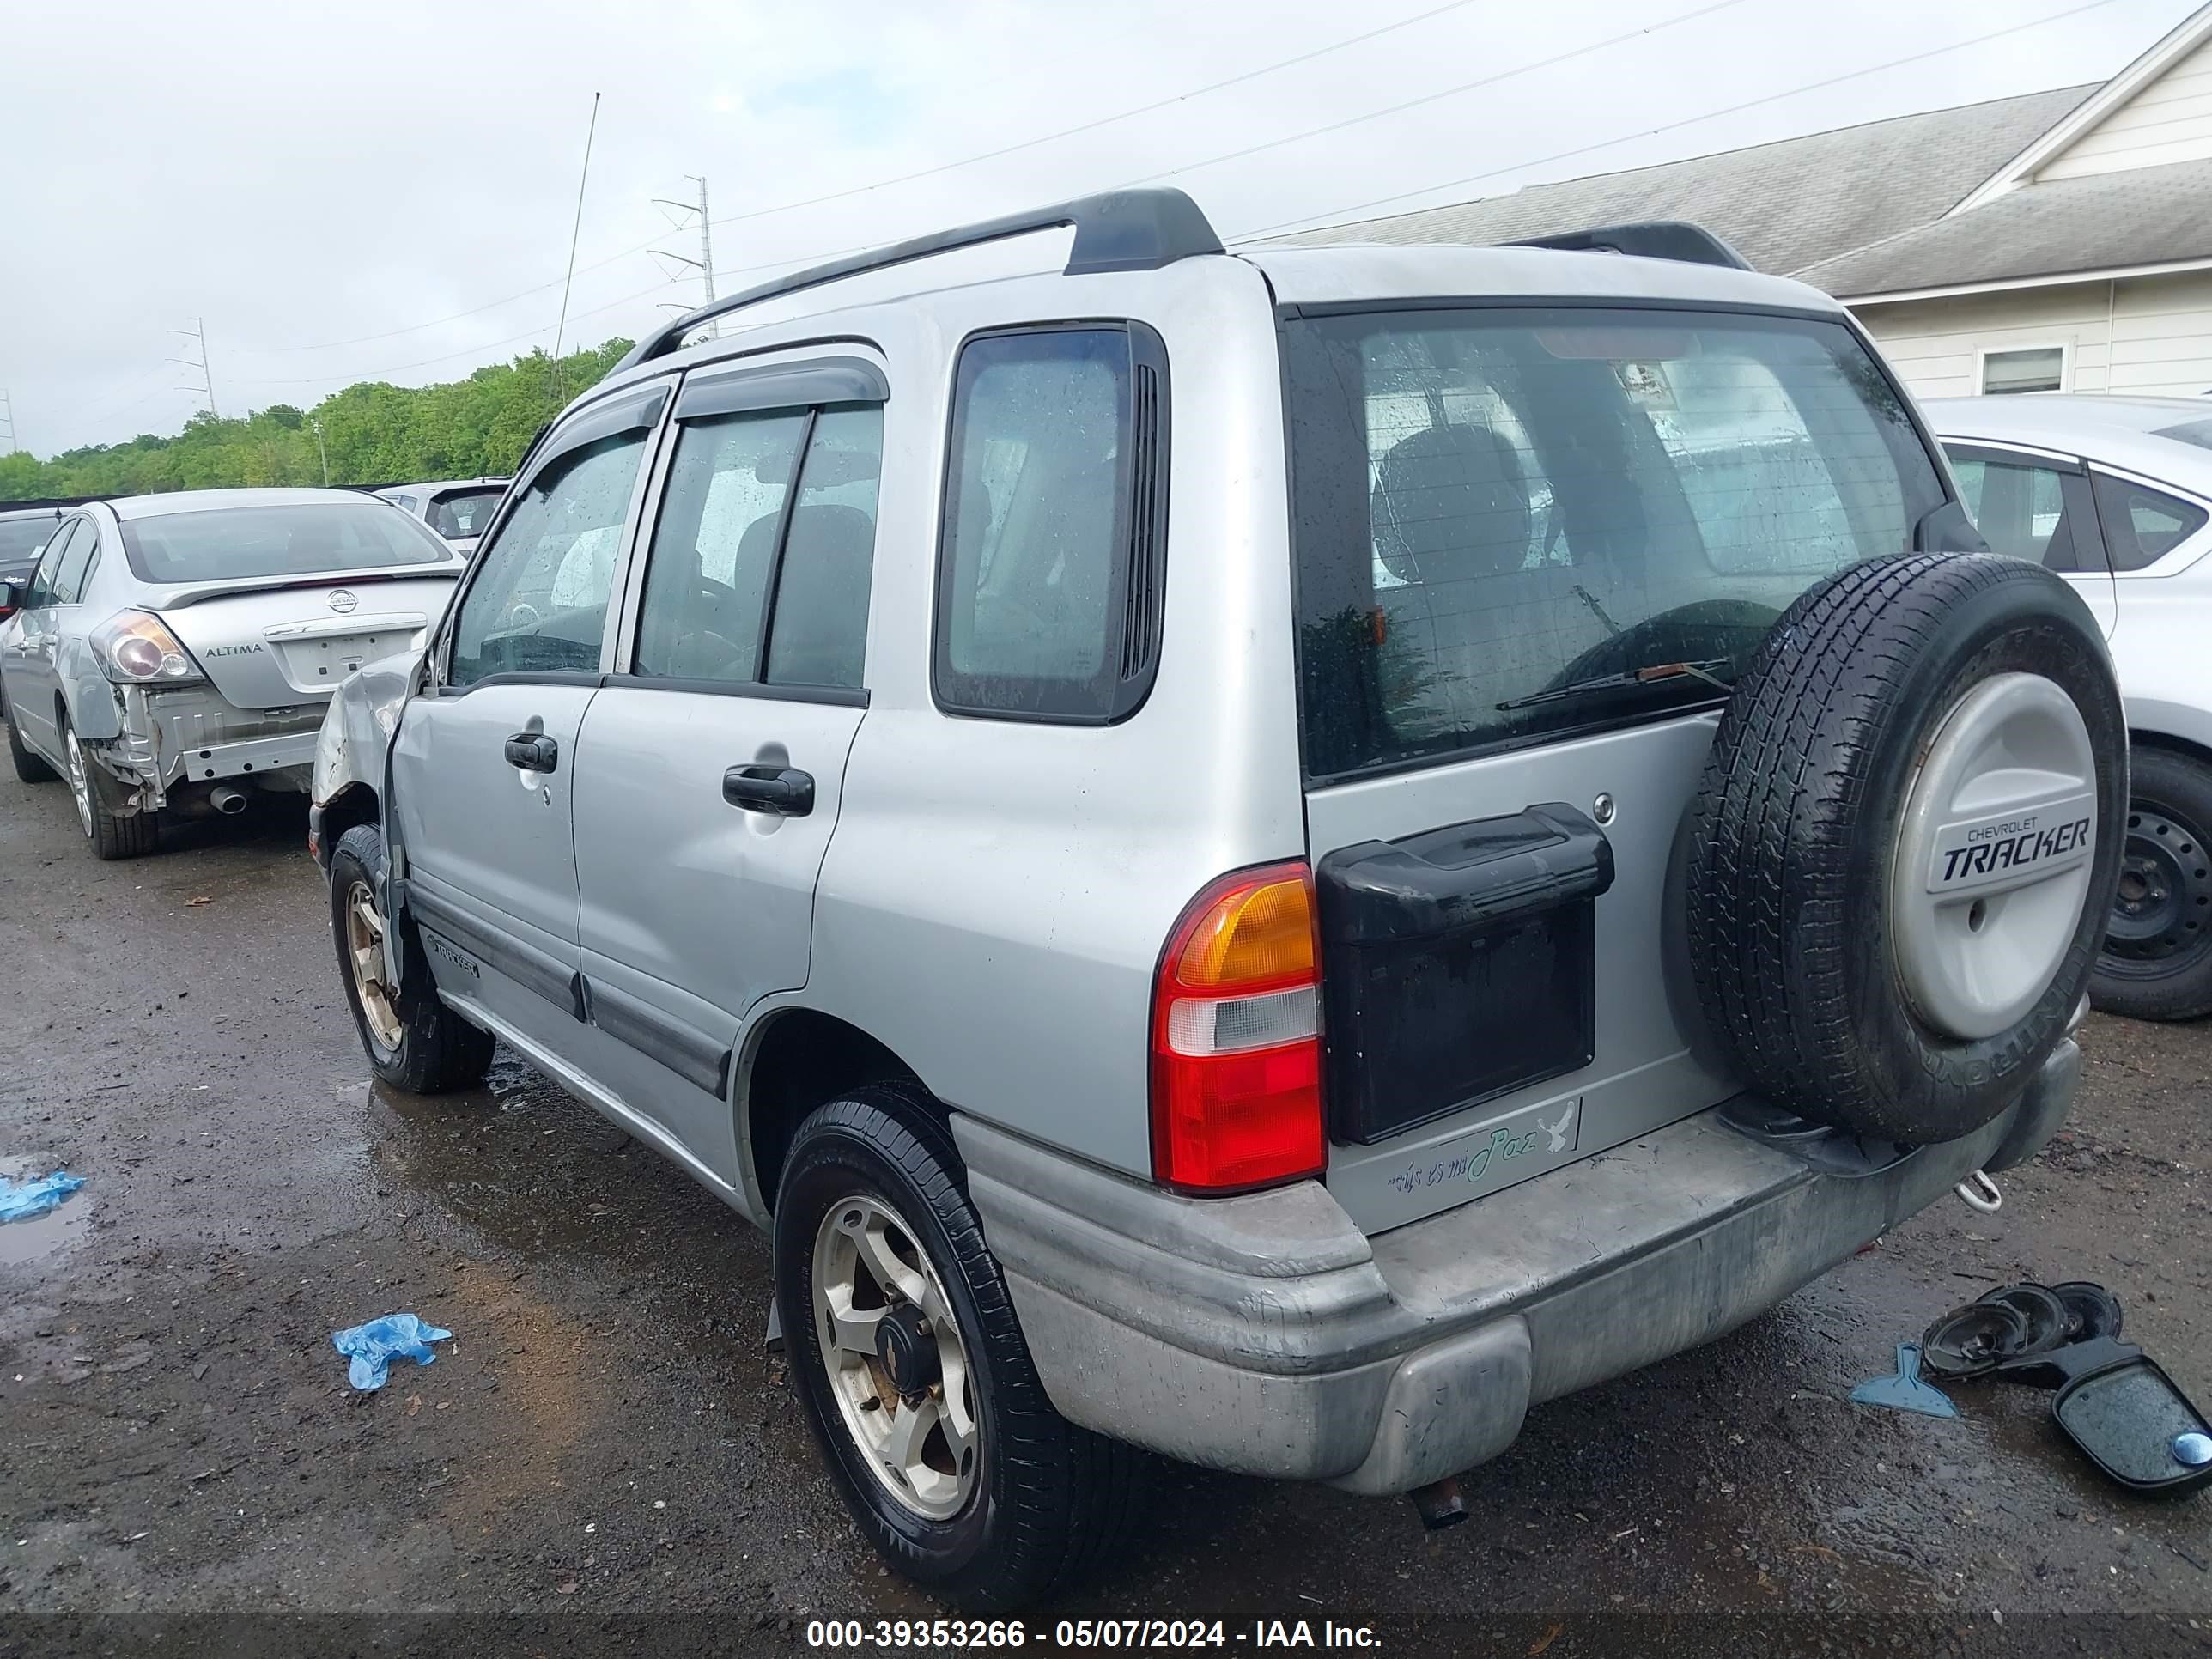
[
  {"x": 8, "y": 421},
  {"x": 704, "y": 264},
  {"x": 198, "y": 332},
  {"x": 322, "y": 452}
]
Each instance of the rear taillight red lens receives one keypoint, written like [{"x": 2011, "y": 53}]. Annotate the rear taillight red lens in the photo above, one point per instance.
[{"x": 1236, "y": 1036}]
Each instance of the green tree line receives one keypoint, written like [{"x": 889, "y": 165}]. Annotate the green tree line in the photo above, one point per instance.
[{"x": 372, "y": 432}]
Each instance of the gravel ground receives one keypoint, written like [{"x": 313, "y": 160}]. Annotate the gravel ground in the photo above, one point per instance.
[{"x": 606, "y": 1459}]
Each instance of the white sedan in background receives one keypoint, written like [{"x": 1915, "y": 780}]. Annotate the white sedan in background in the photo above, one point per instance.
[{"x": 2115, "y": 495}]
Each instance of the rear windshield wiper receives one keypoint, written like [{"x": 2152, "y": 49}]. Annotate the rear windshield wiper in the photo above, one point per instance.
[{"x": 1650, "y": 675}]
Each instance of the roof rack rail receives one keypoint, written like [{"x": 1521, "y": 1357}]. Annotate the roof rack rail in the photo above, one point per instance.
[
  {"x": 1121, "y": 230},
  {"x": 1656, "y": 238}
]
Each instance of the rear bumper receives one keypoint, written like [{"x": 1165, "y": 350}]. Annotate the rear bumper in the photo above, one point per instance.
[
  {"x": 1265, "y": 1334},
  {"x": 170, "y": 739}
]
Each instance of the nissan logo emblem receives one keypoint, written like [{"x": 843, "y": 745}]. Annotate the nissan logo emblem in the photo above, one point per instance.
[{"x": 342, "y": 601}]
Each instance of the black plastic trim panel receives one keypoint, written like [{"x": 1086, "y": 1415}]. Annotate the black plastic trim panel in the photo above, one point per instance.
[
  {"x": 527, "y": 965},
  {"x": 693, "y": 1055}
]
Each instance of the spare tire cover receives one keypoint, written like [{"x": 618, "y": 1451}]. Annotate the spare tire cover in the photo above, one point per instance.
[{"x": 1906, "y": 841}]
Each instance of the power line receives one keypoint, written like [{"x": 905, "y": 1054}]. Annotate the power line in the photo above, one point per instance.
[
  {"x": 1304, "y": 219},
  {"x": 1551, "y": 62},
  {"x": 1102, "y": 121},
  {"x": 925, "y": 173}
]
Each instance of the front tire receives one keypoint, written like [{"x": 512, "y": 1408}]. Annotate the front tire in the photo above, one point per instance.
[
  {"x": 961, "y": 1472},
  {"x": 2156, "y": 962},
  {"x": 413, "y": 1040},
  {"x": 111, "y": 835}
]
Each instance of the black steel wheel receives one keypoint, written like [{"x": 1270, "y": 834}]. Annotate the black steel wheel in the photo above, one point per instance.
[{"x": 2156, "y": 962}]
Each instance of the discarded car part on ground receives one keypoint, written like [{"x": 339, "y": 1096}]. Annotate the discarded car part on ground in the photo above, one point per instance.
[
  {"x": 373, "y": 1346},
  {"x": 2112, "y": 1400},
  {"x": 20, "y": 1200},
  {"x": 1904, "y": 1390}
]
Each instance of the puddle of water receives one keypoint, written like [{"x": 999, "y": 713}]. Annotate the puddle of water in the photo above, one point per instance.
[{"x": 29, "y": 1240}]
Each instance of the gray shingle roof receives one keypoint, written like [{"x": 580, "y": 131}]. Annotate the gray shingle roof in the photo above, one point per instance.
[
  {"x": 1784, "y": 205},
  {"x": 2145, "y": 217}
]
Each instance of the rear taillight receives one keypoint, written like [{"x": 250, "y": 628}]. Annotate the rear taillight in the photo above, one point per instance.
[
  {"x": 1236, "y": 1036},
  {"x": 136, "y": 647}
]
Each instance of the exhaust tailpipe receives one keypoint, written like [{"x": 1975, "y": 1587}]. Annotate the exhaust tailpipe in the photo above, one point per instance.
[
  {"x": 228, "y": 798},
  {"x": 1440, "y": 1504}
]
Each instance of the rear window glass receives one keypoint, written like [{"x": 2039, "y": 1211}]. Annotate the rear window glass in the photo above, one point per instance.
[
  {"x": 1516, "y": 523},
  {"x": 2142, "y": 525},
  {"x": 236, "y": 543},
  {"x": 460, "y": 513},
  {"x": 21, "y": 538}
]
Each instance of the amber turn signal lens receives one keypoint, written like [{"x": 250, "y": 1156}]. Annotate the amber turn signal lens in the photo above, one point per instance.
[{"x": 1251, "y": 936}]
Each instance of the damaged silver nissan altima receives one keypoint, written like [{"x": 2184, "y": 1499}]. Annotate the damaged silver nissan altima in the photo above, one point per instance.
[{"x": 173, "y": 654}]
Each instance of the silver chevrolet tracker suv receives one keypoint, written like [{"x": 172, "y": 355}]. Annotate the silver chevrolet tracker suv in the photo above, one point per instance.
[{"x": 1273, "y": 859}]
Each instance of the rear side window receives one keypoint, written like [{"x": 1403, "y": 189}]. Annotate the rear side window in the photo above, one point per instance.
[
  {"x": 2142, "y": 525},
  {"x": 1516, "y": 523},
  {"x": 459, "y": 513},
  {"x": 1050, "y": 572},
  {"x": 76, "y": 560},
  {"x": 2029, "y": 512}
]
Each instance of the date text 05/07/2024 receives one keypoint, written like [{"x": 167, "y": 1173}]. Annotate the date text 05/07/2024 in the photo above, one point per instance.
[{"x": 892, "y": 1634}]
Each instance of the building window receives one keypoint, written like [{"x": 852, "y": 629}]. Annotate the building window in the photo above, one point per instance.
[{"x": 2036, "y": 368}]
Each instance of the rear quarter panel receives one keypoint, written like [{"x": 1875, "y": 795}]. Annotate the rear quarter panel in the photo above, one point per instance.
[
  {"x": 2159, "y": 650},
  {"x": 997, "y": 895}
]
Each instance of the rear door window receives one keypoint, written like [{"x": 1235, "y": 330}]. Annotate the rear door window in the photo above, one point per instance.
[
  {"x": 1516, "y": 523},
  {"x": 2029, "y": 509},
  {"x": 76, "y": 560},
  {"x": 765, "y": 550},
  {"x": 2142, "y": 525}
]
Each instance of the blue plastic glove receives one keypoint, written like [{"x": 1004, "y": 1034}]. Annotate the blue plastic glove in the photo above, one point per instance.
[
  {"x": 373, "y": 1346},
  {"x": 21, "y": 1200}
]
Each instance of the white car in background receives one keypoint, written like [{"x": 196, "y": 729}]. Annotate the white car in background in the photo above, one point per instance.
[
  {"x": 173, "y": 654},
  {"x": 2115, "y": 494},
  {"x": 457, "y": 508}
]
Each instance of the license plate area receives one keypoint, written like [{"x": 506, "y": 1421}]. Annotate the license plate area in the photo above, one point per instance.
[{"x": 333, "y": 658}]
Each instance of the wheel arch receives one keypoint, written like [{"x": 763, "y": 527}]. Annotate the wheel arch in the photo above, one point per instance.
[
  {"x": 354, "y": 804},
  {"x": 793, "y": 1060}
]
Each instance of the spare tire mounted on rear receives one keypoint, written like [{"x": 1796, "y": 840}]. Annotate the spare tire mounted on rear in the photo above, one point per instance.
[{"x": 1906, "y": 841}]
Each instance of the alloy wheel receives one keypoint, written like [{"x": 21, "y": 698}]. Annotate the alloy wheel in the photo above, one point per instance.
[
  {"x": 896, "y": 1362},
  {"x": 80, "y": 781},
  {"x": 364, "y": 924}
]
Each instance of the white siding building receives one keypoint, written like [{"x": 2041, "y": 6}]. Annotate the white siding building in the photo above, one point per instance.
[{"x": 2056, "y": 242}]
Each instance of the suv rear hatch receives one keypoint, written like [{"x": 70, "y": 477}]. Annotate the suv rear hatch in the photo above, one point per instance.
[{"x": 1534, "y": 545}]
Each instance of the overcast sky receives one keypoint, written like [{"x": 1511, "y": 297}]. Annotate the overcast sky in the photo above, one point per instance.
[{"x": 331, "y": 188}]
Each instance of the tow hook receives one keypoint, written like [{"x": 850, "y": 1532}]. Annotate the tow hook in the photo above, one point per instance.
[
  {"x": 1440, "y": 1504},
  {"x": 1978, "y": 1192}
]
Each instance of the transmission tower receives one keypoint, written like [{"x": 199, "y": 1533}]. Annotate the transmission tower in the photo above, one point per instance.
[
  {"x": 197, "y": 333},
  {"x": 704, "y": 264},
  {"x": 6, "y": 425}
]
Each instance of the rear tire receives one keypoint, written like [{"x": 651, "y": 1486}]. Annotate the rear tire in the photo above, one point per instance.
[
  {"x": 1044, "y": 1501},
  {"x": 2156, "y": 962},
  {"x": 111, "y": 835},
  {"x": 413, "y": 1040},
  {"x": 28, "y": 767}
]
